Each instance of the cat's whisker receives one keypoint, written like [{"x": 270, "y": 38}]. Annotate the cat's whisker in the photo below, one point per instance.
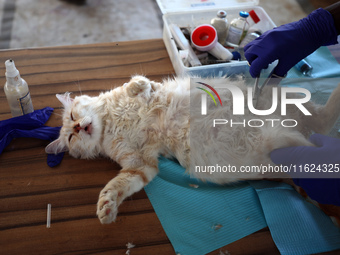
[
  {"x": 60, "y": 115},
  {"x": 79, "y": 88}
]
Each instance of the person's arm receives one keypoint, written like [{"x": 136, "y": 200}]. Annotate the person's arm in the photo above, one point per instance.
[
  {"x": 324, "y": 191},
  {"x": 334, "y": 9},
  {"x": 294, "y": 41},
  {"x": 326, "y": 153}
]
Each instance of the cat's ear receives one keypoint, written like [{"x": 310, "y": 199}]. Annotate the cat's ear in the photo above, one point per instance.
[
  {"x": 56, "y": 147},
  {"x": 65, "y": 99}
]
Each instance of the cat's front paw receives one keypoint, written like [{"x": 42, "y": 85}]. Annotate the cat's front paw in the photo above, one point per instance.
[
  {"x": 138, "y": 85},
  {"x": 107, "y": 206}
]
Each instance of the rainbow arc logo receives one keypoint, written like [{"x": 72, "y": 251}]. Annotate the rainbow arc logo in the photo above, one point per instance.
[{"x": 209, "y": 93}]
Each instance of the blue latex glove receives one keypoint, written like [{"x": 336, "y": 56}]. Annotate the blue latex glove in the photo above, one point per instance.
[
  {"x": 26, "y": 122},
  {"x": 30, "y": 125},
  {"x": 327, "y": 151},
  {"x": 291, "y": 42}
]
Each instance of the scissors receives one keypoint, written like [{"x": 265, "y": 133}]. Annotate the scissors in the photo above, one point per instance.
[{"x": 272, "y": 80}]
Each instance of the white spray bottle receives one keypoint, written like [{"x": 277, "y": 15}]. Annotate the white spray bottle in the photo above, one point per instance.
[{"x": 16, "y": 90}]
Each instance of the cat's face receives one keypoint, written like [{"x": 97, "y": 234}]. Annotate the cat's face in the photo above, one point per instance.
[{"x": 81, "y": 130}]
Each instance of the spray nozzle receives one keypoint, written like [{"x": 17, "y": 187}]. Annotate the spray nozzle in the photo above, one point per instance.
[{"x": 11, "y": 70}]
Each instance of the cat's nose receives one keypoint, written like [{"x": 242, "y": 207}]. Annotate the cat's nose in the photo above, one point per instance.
[
  {"x": 77, "y": 128},
  {"x": 87, "y": 129}
]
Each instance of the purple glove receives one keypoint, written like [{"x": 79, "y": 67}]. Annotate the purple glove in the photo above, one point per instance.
[
  {"x": 291, "y": 42},
  {"x": 324, "y": 191}
]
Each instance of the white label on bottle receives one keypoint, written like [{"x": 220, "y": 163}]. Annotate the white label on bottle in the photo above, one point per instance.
[
  {"x": 234, "y": 35},
  {"x": 26, "y": 103}
]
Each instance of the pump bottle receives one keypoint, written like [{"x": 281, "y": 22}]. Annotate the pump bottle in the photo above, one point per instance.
[{"x": 16, "y": 90}]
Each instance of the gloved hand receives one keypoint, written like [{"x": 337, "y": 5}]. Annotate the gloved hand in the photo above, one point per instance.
[
  {"x": 30, "y": 125},
  {"x": 327, "y": 151},
  {"x": 291, "y": 42}
]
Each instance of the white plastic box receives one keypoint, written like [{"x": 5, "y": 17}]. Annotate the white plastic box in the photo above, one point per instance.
[{"x": 192, "y": 13}]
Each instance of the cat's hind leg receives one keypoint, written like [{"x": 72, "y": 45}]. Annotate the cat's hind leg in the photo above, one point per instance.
[{"x": 140, "y": 85}]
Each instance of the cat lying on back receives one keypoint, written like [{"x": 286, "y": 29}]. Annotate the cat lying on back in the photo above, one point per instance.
[{"x": 136, "y": 123}]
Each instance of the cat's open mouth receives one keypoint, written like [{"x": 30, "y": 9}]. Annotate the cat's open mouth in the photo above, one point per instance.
[{"x": 88, "y": 129}]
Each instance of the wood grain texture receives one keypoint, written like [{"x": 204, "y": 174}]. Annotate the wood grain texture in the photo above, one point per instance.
[
  {"x": 322, "y": 4},
  {"x": 27, "y": 184}
]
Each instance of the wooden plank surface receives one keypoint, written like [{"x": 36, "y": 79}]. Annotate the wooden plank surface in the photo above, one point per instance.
[{"x": 27, "y": 184}]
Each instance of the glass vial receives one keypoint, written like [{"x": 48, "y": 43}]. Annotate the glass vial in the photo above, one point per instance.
[
  {"x": 304, "y": 67},
  {"x": 16, "y": 90},
  {"x": 220, "y": 23},
  {"x": 250, "y": 37},
  {"x": 237, "y": 30}
]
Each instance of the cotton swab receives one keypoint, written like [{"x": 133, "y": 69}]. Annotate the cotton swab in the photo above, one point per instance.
[{"x": 48, "y": 224}]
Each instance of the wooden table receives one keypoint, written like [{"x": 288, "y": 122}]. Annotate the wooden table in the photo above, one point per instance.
[{"x": 27, "y": 184}]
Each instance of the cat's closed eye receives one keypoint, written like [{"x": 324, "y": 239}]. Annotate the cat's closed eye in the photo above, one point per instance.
[
  {"x": 72, "y": 117},
  {"x": 70, "y": 138}
]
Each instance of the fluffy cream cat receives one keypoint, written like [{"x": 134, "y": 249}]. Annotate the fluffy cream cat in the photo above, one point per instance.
[{"x": 136, "y": 123}]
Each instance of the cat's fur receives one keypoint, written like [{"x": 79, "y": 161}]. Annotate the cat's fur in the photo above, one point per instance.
[{"x": 136, "y": 123}]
